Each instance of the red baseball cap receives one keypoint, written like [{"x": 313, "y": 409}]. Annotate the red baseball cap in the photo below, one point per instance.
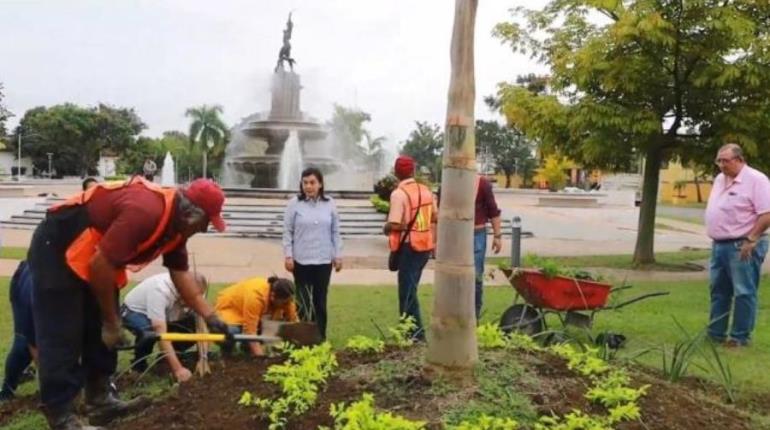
[
  {"x": 207, "y": 195},
  {"x": 404, "y": 166}
]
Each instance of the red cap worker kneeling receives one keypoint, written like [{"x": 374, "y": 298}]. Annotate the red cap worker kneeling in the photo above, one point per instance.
[{"x": 79, "y": 255}]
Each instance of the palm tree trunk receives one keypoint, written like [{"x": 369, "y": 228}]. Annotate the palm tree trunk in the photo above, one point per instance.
[
  {"x": 205, "y": 161},
  {"x": 453, "y": 323}
]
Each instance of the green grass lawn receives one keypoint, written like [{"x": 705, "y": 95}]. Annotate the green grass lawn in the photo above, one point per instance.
[
  {"x": 689, "y": 219},
  {"x": 664, "y": 260},
  {"x": 647, "y": 324},
  {"x": 13, "y": 252}
]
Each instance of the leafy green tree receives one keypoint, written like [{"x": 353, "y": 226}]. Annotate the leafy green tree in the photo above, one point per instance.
[
  {"x": 425, "y": 144},
  {"x": 4, "y": 115},
  {"x": 186, "y": 159},
  {"x": 75, "y": 135},
  {"x": 656, "y": 79},
  {"x": 348, "y": 127},
  {"x": 509, "y": 148},
  {"x": 375, "y": 152},
  {"x": 208, "y": 133}
]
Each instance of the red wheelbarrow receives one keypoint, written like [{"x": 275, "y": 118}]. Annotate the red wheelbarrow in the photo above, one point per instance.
[{"x": 559, "y": 295}]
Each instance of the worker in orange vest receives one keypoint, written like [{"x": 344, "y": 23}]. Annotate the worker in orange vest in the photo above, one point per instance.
[
  {"x": 411, "y": 235},
  {"x": 79, "y": 255}
]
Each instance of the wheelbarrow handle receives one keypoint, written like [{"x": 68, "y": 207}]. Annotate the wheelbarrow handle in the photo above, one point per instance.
[{"x": 636, "y": 299}]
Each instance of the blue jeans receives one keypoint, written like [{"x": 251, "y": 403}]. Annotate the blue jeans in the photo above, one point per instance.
[
  {"x": 479, "y": 255},
  {"x": 734, "y": 280},
  {"x": 138, "y": 324},
  {"x": 19, "y": 357},
  {"x": 410, "y": 267}
]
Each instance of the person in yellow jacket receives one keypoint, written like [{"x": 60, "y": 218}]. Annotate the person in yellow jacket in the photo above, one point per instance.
[{"x": 242, "y": 305}]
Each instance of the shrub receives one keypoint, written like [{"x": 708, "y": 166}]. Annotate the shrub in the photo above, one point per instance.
[
  {"x": 385, "y": 186},
  {"x": 362, "y": 344},
  {"x": 361, "y": 415},
  {"x": 382, "y": 206}
]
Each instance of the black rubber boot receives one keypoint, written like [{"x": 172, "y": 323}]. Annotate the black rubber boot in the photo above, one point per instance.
[
  {"x": 103, "y": 405},
  {"x": 66, "y": 419}
]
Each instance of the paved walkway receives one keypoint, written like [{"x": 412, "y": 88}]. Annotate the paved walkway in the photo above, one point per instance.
[{"x": 558, "y": 231}]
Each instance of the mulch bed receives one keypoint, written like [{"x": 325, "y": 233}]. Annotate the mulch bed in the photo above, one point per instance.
[{"x": 212, "y": 402}]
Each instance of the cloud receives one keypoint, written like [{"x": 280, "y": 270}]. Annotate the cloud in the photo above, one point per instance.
[{"x": 388, "y": 58}]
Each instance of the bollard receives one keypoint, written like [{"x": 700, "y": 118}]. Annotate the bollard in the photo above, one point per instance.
[{"x": 516, "y": 242}]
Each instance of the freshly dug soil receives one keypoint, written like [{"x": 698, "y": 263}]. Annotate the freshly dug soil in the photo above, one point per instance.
[{"x": 212, "y": 402}]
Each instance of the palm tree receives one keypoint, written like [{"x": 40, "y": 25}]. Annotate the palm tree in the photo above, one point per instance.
[
  {"x": 375, "y": 152},
  {"x": 453, "y": 323},
  {"x": 207, "y": 129}
]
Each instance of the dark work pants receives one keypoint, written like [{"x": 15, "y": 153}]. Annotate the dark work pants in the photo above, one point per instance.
[
  {"x": 66, "y": 313},
  {"x": 312, "y": 281},
  {"x": 140, "y": 325},
  {"x": 410, "y": 266}
]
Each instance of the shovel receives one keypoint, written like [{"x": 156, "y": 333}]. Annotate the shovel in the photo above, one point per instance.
[{"x": 301, "y": 334}]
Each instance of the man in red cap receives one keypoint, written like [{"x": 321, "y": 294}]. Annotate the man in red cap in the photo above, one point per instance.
[
  {"x": 79, "y": 255},
  {"x": 411, "y": 235}
]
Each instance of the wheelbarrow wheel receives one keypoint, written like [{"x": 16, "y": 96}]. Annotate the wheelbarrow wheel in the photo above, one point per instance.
[{"x": 522, "y": 318}]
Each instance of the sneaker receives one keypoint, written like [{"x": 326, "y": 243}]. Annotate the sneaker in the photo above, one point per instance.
[{"x": 734, "y": 343}]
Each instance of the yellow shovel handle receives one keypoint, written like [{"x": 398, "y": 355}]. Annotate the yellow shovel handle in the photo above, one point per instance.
[{"x": 192, "y": 337}]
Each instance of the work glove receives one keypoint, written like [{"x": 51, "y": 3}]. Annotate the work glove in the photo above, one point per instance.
[
  {"x": 113, "y": 336},
  {"x": 216, "y": 325}
]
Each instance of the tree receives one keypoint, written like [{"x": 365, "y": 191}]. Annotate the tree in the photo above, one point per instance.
[
  {"x": 425, "y": 144},
  {"x": 375, "y": 152},
  {"x": 509, "y": 148},
  {"x": 4, "y": 115},
  {"x": 207, "y": 132},
  {"x": 186, "y": 159},
  {"x": 347, "y": 127},
  {"x": 661, "y": 80},
  {"x": 75, "y": 135},
  {"x": 553, "y": 171},
  {"x": 453, "y": 323}
]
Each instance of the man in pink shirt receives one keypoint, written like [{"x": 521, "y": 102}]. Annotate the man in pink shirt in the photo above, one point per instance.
[{"x": 737, "y": 215}]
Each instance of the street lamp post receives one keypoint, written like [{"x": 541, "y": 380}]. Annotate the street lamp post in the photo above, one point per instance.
[
  {"x": 18, "y": 161},
  {"x": 50, "y": 157}
]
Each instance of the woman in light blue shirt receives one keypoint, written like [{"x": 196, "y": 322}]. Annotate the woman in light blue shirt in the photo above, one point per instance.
[{"x": 312, "y": 245}]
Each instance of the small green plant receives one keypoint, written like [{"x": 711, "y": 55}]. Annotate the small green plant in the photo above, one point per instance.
[
  {"x": 362, "y": 344},
  {"x": 361, "y": 415},
  {"x": 522, "y": 341},
  {"x": 490, "y": 336},
  {"x": 300, "y": 378},
  {"x": 677, "y": 360},
  {"x": 486, "y": 422},
  {"x": 722, "y": 369},
  {"x": 382, "y": 206},
  {"x": 586, "y": 363},
  {"x": 401, "y": 334},
  {"x": 613, "y": 390},
  {"x": 575, "y": 420}
]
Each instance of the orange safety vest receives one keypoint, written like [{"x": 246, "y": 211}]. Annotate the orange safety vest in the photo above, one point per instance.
[
  {"x": 82, "y": 249},
  {"x": 420, "y": 236}
]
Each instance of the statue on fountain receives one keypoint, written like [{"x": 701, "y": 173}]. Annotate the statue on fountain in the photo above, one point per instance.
[{"x": 285, "y": 53}]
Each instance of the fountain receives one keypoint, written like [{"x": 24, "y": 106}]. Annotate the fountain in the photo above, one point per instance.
[
  {"x": 269, "y": 150},
  {"x": 167, "y": 174}
]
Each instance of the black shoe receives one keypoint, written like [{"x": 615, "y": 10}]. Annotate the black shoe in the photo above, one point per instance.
[
  {"x": 66, "y": 419},
  {"x": 103, "y": 405},
  {"x": 6, "y": 396}
]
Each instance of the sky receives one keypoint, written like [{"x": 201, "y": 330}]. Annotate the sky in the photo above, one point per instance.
[{"x": 389, "y": 58}]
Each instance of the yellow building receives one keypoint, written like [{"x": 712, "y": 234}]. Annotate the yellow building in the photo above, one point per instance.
[{"x": 678, "y": 185}]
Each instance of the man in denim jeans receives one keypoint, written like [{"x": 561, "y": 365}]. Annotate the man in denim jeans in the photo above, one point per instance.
[
  {"x": 411, "y": 228},
  {"x": 737, "y": 215},
  {"x": 486, "y": 210},
  {"x": 156, "y": 306}
]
